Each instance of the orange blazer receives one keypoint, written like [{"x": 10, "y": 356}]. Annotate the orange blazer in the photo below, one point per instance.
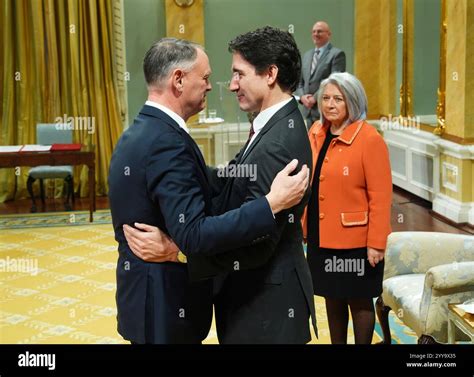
[{"x": 355, "y": 188}]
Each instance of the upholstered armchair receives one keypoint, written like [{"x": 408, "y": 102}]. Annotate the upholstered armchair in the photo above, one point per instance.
[{"x": 424, "y": 271}]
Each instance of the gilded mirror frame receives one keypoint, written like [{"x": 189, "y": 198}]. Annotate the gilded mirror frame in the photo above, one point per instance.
[{"x": 406, "y": 90}]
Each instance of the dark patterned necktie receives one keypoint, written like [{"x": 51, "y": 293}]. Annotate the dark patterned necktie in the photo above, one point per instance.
[{"x": 251, "y": 132}]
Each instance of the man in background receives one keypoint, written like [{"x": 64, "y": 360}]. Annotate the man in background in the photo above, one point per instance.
[{"x": 318, "y": 63}]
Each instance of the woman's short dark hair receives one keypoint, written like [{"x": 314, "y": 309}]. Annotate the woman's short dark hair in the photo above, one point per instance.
[{"x": 271, "y": 46}]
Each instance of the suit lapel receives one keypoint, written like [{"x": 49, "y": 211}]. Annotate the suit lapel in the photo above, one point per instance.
[
  {"x": 252, "y": 146},
  {"x": 241, "y": 153},
  {"x": 321, "y": 59},
  {"x": 157, "y": 113},
  {"x": 197, "y": 153},
  {"x": 280, "y": 114},
  {"x": 307, "y": 66}
]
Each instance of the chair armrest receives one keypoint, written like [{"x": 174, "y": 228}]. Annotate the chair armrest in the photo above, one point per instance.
[
  {"x": 444, "y": 284},
  {"x": 449, "y": 276}
]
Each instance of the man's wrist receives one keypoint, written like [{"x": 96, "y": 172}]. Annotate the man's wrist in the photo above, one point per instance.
[
  {"x": 273, "y": 206},
  {"x": 181, "y": 257}
]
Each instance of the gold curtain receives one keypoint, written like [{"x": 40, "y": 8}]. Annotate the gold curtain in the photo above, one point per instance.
[{"x": 57, "y": 64}]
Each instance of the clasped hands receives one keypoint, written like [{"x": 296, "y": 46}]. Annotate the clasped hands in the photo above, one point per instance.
[{"x": 308, "y": 101}]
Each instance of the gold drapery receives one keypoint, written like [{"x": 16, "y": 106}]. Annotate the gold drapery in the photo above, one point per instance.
[{"x": 57, "y": 65}]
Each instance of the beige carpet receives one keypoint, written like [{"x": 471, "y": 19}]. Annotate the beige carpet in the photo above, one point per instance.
[{"x": 58, "y": 286}]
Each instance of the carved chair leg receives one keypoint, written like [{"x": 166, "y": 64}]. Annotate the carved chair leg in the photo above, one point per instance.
[
  {"x": 382, "y": 315},
  {"x": 42, "y": 192},
  {"x": 29, "y": 186},
  {"x": 427, "y": 339},
  {"x": 68, "y": 180},
  {"x": 72, "y": 190}
]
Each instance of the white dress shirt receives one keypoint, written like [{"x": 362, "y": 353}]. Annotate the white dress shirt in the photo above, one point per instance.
[
  {"x": 321, "y": 50},
  {"x": 262, "y": 119},
  {"x": 170, "y": 113}
]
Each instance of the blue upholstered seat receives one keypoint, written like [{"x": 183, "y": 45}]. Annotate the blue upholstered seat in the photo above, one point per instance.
[{"x": 48, "y": 134}]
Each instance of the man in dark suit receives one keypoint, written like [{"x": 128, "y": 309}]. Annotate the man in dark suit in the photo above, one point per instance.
[
  {"x": 157, "y": 176},
  {"x": 318, "y": 64},
  {"x": 269, "y": 298}
]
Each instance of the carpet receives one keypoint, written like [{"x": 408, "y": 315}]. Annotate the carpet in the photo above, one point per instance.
[
  {"x": 61, "y": 289},
  {"x": 51, "y": 219}
]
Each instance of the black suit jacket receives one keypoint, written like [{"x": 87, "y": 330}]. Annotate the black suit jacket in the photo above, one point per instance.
[
  {"x": 157, "y": 176},
  {"x": 267, "y": 293}
]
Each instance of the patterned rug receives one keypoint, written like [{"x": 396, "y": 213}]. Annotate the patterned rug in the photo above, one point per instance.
[
  {"x": 33, "y": 220},
  {"x": 59, "y": 287}
]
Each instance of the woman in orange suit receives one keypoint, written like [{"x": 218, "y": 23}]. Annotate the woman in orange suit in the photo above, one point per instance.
[{"x": 347, "y": 220}]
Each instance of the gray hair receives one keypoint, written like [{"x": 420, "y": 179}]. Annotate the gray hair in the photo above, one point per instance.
[
  {"x": 353, "y": 92},
  {"x": 166, "y": 55}
]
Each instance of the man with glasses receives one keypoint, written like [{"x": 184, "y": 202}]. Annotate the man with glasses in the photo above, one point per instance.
[{"x": 317, "y": 64}]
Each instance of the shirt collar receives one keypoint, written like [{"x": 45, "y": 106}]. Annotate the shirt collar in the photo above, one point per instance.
[
  {"x": 170, "y": 113},
  {"x": 347, "y": 136},
  {"x": 321, "y": 49},
  {"x": 262, "y": 118}
]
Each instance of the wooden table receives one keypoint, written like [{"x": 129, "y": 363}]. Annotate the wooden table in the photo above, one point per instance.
[
  {"x": 16, "y": 159},
  {"x": 458, "y": 318}
]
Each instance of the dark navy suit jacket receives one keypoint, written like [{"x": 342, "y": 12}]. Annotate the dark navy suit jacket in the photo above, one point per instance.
[{"x": 158, "y": 176}]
